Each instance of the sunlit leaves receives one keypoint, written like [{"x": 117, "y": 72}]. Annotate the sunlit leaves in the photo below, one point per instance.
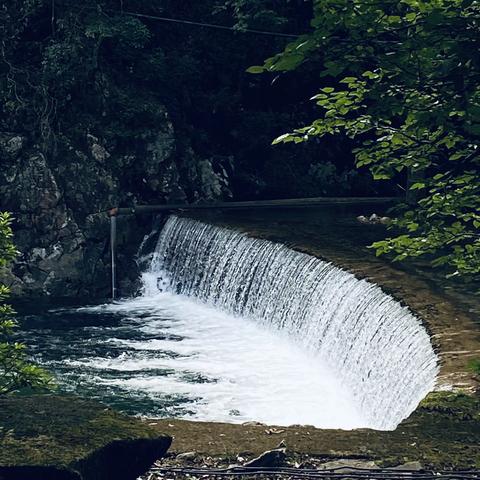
[
  {"x": 16, "y": 371},
  {"x": 255, "y": 69},
  {"x": 402, "y": 82}
]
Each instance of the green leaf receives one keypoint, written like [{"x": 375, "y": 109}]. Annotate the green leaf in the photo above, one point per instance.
[
  {"x": 288, "y": 62},
  {"x": 255, "y": 69},
  {"x": 370, "y": 75},
  {"x": 286, "y": 137},
  {"x": 381, "y": 176},
  {"x": 348, "y": 80}
]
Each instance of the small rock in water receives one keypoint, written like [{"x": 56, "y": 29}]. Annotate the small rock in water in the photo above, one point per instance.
[
  {"x": 253, "y": 424},
  {"x": 234, "y": 412},
  {"x": 374, "y": 219}
]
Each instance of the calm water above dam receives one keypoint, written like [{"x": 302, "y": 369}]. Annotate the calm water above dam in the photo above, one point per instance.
[{"x": 231, "y": 328}]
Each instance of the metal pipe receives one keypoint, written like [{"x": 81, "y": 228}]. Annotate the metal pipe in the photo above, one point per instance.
[
  {"x": 113, "y": 244},
  {"x": 340, "y": 473},
  {"x": 288, "y": 202}
]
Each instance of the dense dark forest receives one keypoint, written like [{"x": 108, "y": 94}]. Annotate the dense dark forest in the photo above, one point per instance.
[
  {"x": 104, "y": 105},
  {"x": 94, "y": 77}
]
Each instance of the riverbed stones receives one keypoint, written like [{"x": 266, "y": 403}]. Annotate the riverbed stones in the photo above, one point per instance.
[{"x": 48, "y": 437}]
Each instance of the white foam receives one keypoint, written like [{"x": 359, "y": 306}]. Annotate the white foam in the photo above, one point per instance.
[
  {"x": 249, "y": 372},
  {"x": 367, "y": 343}
]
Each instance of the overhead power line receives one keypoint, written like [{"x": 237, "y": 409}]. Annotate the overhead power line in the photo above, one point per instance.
[{"x": 209, "y": 25}]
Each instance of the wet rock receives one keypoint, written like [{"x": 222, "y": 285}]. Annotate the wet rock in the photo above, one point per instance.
[
  {"x": 269, "y": 459},
  {"x": 11, "y": 145},
  {"x": 98, "y": 151},
  {"x": 46, "y": 234},
  {"x": 59, "y": 202},
  {"x": 49, "y": 438},
  {"x": 374, "y": 219},
  {"x": 186, "y": 456},
  {"x": 161, "y": 146},
  {"x": 209, "y": 180},
  {"x": 213, "y": 179},
  {"x": 158, "y": 168}
]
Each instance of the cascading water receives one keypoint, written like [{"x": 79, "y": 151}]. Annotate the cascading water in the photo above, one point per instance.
[
  {"x": 232, "y": 328},
  {"x": 375, "y": 348}
]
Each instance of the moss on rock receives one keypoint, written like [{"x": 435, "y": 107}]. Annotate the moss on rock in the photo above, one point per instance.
[
  {"x": 48, "y": 436},
  {"x": 459, "y": 405}
]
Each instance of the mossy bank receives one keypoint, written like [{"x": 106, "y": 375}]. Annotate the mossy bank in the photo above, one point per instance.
[{"x": 53, "y": 437}]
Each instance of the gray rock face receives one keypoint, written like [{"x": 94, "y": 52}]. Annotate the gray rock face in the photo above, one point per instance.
[
  {"x": 211, "y": 181},
  {"x": 59, "y": 203},
  {"x": 11, "y": 144},
  {"x": 45, "y": 231}
]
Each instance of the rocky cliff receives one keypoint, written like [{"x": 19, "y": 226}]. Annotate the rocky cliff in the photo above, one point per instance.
[
  {"x": 101, "y": 107},
  {"x": 59, "y": 204}
]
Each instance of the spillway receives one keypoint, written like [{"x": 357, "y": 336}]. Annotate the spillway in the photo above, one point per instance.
[{"x": 373, "y": 347}]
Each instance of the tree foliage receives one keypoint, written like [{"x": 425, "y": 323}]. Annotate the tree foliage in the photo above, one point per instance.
[
  {"x": 16, "y": 371},
  {"x": 259, "y": 14},
  {"x": 68, "y": 69},
  {"x": 401, "y": 78}
]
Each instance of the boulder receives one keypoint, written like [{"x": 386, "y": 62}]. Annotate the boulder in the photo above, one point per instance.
[
  {"x": 269, "y": 459},
  {"x": 49, "y": 437}
]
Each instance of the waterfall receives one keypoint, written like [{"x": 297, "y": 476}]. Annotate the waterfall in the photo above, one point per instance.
[{"x": 375, "y": 346}]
